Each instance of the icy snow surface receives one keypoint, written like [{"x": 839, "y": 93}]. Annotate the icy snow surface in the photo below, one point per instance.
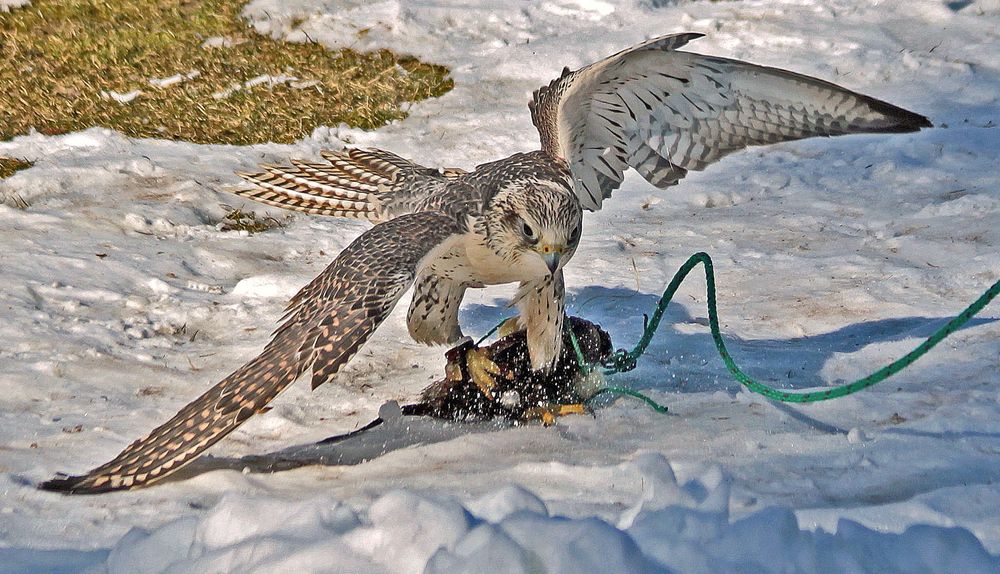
[{"x": 121, "y": 301}]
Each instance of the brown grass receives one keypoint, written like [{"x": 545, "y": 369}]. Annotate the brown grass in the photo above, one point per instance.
[
  {"x": 58, "y": 57},
  {"x": 9, "y": 166},
  {"x": 239, "y": 220}
]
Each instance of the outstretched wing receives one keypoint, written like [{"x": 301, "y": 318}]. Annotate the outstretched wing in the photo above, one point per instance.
[
  {"x": 356, "y": 183},
  {"x": 664, "y": 112},
  {"x": 325, "y": 325}
]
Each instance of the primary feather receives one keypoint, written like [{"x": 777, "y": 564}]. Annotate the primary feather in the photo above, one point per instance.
[{"x": 663, "y": 112}]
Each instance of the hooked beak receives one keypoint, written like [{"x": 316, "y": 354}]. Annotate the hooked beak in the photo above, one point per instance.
[{"x": 552, "y": 255}]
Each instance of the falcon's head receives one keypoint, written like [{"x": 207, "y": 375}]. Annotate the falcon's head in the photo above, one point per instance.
[{"x": 534, "y": 225}]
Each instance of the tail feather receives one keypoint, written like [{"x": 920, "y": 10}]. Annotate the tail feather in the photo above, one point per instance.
[
  {"x": 322, "y": 182},
  {"x": 357, "y": 183},
  {"x": 306, "y": 205},
  {"x": 370, "y": 164},
  {"x": 348, "y": 186},
  {"x": 343, "y": 183}
]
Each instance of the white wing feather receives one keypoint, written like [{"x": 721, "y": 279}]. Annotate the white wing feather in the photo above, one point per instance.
[{"x": 664, "y": 112}]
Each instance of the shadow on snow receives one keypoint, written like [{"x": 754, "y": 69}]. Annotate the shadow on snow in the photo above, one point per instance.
[{"x": 674, "y": 362}]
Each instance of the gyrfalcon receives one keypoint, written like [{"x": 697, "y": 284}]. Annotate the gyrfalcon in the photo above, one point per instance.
[{"x": 652, "y": 108}]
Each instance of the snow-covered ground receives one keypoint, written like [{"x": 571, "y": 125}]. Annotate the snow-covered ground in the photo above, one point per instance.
[{"x": 121, "y": 301}]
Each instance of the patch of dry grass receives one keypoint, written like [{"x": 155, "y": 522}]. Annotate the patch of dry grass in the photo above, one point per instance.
[
  {"x": 57, "y": 58},
  {"x": 239, "y": 220},
  {"x": 9, "y": 166}
]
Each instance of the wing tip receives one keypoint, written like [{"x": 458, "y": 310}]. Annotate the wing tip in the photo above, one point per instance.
[
  {"x": 78, "y": 485},
  {"x": 670, "y": 42},
  {"x": 913, "y": 122},
  {"x": 248, "y": 175},
  {"x": 896, "y": 119}
]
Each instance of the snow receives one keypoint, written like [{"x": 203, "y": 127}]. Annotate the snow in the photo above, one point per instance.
[
  {"x": 174, "y": 79},
  {"x": 8, "y": 5},
  {"x": 674, "y": 527},
  {"x": 121, "y": 98},
  {"x": 121, "y": 301},
  {"x": 268, "y": 79}
]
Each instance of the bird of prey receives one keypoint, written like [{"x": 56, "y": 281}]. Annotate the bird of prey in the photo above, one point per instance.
[{"x": 652, "y": 107}]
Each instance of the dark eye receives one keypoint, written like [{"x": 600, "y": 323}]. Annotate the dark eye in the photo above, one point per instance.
[
  {"x": 575, "y": 236},
  {"x": 528, "y": 231}
]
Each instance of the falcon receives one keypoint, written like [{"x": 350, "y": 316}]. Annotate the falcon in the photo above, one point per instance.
[{"x": 652, "y": 108}]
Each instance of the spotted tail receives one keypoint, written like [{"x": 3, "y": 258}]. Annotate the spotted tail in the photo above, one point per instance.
[{"x": 350, "y": 185}]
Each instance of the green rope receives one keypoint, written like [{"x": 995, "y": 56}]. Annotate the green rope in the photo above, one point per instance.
[
  {"x": 586, "y": 368},
  {"x": 626, "y": 360},
  {"x": 628, "y": 392},
  {"x": 623, "y": 360},
  {"x": 493, "y": 330}
]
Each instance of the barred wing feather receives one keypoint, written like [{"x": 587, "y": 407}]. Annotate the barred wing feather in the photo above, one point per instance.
[
  {"x": 325, "y": 325},
  {"x": 664, "y": 112}
]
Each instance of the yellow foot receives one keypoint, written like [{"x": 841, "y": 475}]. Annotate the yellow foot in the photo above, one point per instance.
[
  {"x": 573, "y": 409},
  {"x": 548, "y": 414},
  {"x": 509, "y": 327},
  {"x": 482, "y": 369}
]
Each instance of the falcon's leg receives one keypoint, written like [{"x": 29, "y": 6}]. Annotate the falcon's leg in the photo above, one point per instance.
[
  {"x": 542, "y": 308},
  {"x": 433, "y": 318},
  {"x": 433, "y": 314}
]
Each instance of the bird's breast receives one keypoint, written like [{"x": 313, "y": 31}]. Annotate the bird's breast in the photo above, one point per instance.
[{"x": 485, "y": 266}]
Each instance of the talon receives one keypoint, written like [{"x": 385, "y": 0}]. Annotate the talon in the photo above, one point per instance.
[
  {"x": 547, "y": 414},
  {"x": 573, "y": 409},
  {"x": 482, "y": 369},
  {"x": 509, "y": 327},
  {"x": 543, "y": 414}
]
